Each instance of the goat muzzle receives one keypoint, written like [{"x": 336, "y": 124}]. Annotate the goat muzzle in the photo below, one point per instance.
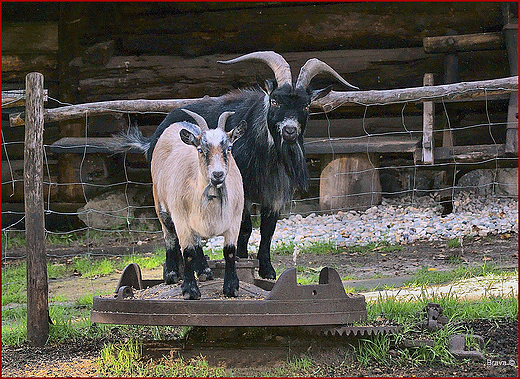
[{"x": 290, "y": 133}]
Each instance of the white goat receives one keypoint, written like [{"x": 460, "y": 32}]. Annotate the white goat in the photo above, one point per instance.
[{"x": 198, "y": 194}]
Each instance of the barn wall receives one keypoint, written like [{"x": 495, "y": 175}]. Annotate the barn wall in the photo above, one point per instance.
[{"x": 90, "y": 51}]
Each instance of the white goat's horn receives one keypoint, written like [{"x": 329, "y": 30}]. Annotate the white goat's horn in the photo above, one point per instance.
[
  {"x": 222, "y": 119},
  {"x": 313, "y": 67},
  {"x": 277, "y": 63},
  {"x": 203, "y": 125}
]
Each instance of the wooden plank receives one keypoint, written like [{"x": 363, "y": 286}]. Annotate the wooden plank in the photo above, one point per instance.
[
  {"x": 428, "y": 125},
  {"x": 469, "y": 154},
  {"x": 355, "y": 127},
  {"x": 37, "y": 286},
  {"x": 464, "y": 42},
  {"x": 365, "y": 144}
]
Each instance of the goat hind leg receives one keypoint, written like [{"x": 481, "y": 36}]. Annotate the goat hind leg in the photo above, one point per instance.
[
  {"x": 267, "y": 227},
  {"x": 246, "y": 227},
  {"x": 202, "y": 268},
  {"x": 230, "y": 288},
  {"x": 173, "y": 264}
]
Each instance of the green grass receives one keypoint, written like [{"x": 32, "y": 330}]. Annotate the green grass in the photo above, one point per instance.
[
  {"x": 127, "y": 360},
  {"x": 426, "y": 276},
  {"x": 453, "y": 243}
]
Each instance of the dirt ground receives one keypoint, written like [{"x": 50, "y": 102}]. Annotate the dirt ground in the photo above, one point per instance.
[{"x": 330, "y": 357}]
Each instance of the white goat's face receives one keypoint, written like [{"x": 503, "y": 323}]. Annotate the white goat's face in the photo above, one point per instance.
[{"x": 214, "y": 149}]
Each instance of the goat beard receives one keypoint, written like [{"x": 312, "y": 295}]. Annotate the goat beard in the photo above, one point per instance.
[
  {"x": 212, "y": 192},
  {"x": 295, "y": 164}
]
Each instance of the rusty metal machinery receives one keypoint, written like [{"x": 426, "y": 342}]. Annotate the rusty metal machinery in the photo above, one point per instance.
[{"x": 324, "y": 307}]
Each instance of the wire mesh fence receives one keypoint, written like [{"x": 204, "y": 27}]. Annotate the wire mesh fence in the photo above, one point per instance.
[{"x": 368, "y": 183}]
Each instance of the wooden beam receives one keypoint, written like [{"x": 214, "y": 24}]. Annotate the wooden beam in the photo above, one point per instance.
[
  {"x": 463, "y": 42},
  {"x": 428, "y": 125}
]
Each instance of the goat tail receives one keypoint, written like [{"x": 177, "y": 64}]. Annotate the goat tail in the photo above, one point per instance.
[{"x": 130, "y": 141}]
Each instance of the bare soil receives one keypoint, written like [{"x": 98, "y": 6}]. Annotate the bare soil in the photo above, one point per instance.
[{"x": 330, "y": 357}]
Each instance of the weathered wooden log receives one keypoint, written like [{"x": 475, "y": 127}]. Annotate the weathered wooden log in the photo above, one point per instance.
[
  {"x": 156, "y": 77},
  {"x": 36, "y": 36},
  {"x": 458, "y": 91},
  {"x": 190, "y": 30},
  {"x": 37, "y": 286},
  {"x": 466, "y": 42},
  {"x": 15, "y": 66},
  {"x": 449, "y": 92}
]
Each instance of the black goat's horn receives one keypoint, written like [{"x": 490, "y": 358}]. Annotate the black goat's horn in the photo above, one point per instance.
[
  {"x": 222, "y": 119},
  {"x": 203, "y": 125},
  {"x": 313, "y": 67},
  {"x": 277, "y": 63}
]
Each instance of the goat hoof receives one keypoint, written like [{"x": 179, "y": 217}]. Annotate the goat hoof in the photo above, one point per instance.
[
  {"x": 190, "y": 291},
  {"x": 206, "y": 274},
  {"x": 231, "y": 287},
  {"x": 171, "y": 277},
  {"x": 267, "y": 272}
]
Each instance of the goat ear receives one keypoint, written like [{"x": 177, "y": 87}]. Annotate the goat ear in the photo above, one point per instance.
[
  {"x": 238, "y": 131},
  {"x": 319, "y": 93},
  {"x": 188, "y": 137}
]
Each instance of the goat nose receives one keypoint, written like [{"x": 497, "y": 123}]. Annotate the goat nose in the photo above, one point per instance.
[
  {"x": 217, "y": 177},
  {"x": 289, "y": 133}
]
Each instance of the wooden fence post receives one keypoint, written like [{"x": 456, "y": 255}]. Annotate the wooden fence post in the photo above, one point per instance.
[
  {"x": 428, "y": 125},
  {"x": 37, "y": 285}
]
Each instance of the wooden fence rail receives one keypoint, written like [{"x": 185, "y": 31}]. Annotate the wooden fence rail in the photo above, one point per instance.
[{"x": 448, "y": 92}]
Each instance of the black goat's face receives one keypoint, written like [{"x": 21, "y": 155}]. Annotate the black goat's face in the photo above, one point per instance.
[{"x": 288, "y": 112}]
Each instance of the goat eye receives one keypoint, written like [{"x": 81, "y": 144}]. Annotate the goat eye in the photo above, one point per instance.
[
  {"x": 199, "y": 149},
  {"x": 230, "y": 147},
  {"x": 274, "y": 103}
]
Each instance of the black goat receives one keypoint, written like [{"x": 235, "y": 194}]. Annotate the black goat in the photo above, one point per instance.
[{"x": 270, "y": 155}]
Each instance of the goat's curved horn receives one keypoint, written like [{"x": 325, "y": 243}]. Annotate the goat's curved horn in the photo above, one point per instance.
[
  {"x": 277, "y": 63},
  {"x": 222, "y": 119},
  {"x": 313, "y": 67},
  {"x": 203, "y": 125}
]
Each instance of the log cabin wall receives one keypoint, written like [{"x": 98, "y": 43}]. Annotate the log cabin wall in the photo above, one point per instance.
[{"x": 91, "y": 51}]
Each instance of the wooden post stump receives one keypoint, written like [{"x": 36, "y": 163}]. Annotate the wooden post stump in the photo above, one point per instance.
[
  {"x": 350, "y": 181},
  {"x": 37, "y": 285}
]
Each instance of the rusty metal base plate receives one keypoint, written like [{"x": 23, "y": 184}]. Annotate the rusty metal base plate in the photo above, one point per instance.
[{"x": 151, "y": 302}]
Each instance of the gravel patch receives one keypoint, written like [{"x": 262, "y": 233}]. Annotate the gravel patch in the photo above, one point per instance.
[{"x": 396, "y": 221}]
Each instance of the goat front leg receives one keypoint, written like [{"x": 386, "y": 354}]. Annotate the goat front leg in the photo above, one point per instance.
[
  {"x": 267, "y": 227},
  {"x": 190, "y": 290},
  {"x": 230, "y": 274},
  {"x": 246, "y": 227}
]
